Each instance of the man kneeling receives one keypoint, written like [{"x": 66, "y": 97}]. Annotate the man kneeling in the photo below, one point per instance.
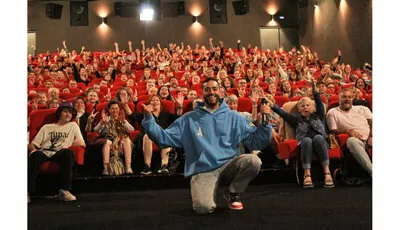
[{"x": 210, "y": 136}]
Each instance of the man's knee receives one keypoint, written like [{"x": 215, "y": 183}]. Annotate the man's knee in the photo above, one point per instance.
[
  {"x": 252, "y": 161},
  {"x": 352, "y": 142}
]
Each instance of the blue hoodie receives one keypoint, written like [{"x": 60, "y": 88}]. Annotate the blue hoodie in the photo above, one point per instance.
[{"x": 209, "y": 140}]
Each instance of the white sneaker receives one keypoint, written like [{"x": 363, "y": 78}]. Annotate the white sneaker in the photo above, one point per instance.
[{"x": 65, "y": 195}]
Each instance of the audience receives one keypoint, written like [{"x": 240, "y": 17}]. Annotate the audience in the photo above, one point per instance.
[{"x": 244, "y": 72}]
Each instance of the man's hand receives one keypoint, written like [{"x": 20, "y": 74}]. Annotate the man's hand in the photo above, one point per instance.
[
  {"x": 78, "y": 143},
  {"x": 353, "y": 133},
  {"x": 130, "y": 43},
  {"x": 275, "y": 136},
  {"x": 148, "y": 109}
]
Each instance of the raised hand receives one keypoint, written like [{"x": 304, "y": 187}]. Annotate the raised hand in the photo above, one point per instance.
[
  {"x": 238, "y": 41},
  {"x": 103, "y": 116},
  {"x": 179, "y": 99},
  {"x": 121, "y": 117},
  {"x": 147, "y": 108},
  {"x": 142, "y": 42},
  {"x": 254, "y": 97},
  {"x": 92, "y": 116},
  {"x": 130, "y": 43},
  {"x": 339, "y": 52},
  {"x": 134, "y": 96}
]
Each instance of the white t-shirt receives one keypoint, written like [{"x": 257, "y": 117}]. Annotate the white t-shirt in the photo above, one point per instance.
[
  {"x": 355, "y": 118},
  {"x": 52, "y": 137}
]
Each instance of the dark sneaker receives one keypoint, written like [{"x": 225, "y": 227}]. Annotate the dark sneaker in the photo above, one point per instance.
[
  {"x": 233, "y": 200},
  {"x": 163, "y": 169},
  {"x": 146, "y": 170}
]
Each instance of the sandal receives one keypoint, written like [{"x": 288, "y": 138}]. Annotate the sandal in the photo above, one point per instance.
[
  {"x": 328, "y": 182},
  {"x": 308, "y": 184}
]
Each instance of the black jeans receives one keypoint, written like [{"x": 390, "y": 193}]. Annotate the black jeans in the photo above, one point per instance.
[{"x": 64, "y": 158}]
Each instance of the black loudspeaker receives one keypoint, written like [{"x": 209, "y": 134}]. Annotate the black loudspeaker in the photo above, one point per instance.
[
  {"x": 125, "y": 9},
  {"x": 181, "y": 8},
  {"x": 244, "y": 6},
  {"x": 53, "y": 11},
  {"x": 79, "y": 13},
  {"x": 303, "y": 3},
  {"x": 218, "y": 12},
  {"x": 241, "y": 7}
]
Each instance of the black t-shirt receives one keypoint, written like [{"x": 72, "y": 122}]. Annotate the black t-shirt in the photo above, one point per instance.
[{"x": 164, "y": 119}]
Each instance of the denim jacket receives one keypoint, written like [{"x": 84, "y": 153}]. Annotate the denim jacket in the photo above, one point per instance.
[{"x": 298, "y": 122}]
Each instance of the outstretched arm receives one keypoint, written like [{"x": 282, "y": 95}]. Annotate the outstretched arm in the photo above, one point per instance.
[
  {"x": 170, "y": 137},
  {"x": 255, "y": 138}
]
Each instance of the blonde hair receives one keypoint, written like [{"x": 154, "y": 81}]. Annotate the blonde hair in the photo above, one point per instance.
[
  {"x": 231, "y": 98},
  {"x": 303, "y": 100}
]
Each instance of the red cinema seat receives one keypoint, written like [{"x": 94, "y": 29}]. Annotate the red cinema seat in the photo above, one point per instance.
[
  {"x": 46, "y": 116},
  {"x": 244, "y": 105},
  {"x": 281, "y": 100},
  {"x": 289, "y": 149}
]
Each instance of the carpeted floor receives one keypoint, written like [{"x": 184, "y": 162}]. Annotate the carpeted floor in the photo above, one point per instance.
[{"x": 282, "y": 206}]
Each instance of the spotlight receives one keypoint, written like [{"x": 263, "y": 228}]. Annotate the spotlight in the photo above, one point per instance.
[
  {"x": 195, "y": 19},
  {"x": 146, "y": 14},
  {"x": 104, "y": 20}
]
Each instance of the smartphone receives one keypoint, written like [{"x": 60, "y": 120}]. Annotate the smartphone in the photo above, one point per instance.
[
  {"x": 264, "y": 101},
  {"x": 368, "y": 67}
]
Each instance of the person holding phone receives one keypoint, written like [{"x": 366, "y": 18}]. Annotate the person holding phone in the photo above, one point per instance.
[
  {"x": 210, "y": 136},
  {"x": 310, "y": 134}
]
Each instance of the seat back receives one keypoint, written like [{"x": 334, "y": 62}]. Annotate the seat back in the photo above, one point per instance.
[
  {"x": 244, "y": 104},
  {"x": 281, "y": 100},
  {"x": 40, "y": 118},
  {"x": 285, "y": 129}
]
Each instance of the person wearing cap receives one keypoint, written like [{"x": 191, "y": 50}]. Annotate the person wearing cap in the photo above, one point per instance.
[{"x": 52, "y": 144}]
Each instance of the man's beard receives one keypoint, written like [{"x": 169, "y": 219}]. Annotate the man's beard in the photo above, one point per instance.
[
  {"x": 344, "y": 106},
  {"x": 207, "y": 101}
]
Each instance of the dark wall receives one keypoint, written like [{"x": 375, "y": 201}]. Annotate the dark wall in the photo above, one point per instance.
[
  {"x": 51, "y": 32},
  {"x": 349, "y": 28},
  {"x": 339, "y": 24}
]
